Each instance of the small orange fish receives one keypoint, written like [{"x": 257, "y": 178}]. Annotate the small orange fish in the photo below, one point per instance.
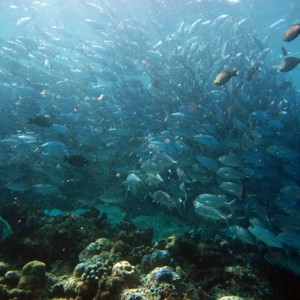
[
  {"x": 291, "y": 33},
  {"x": 224, "y": 76}
]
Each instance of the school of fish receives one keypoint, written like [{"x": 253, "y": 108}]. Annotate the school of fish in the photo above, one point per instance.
[{"x": 197, "y": 121}]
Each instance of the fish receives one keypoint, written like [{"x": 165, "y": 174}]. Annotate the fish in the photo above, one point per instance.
[
  {"x": 232, "y": 188},
  {"x": 242, "y": 234},
  {"x": 224, "y": 76},
  {"x": 27, "y": 138},
  {"x": 281, "y": 20},
  {"x": 41, "y": 121},
  {"x": 166, "y": 200},
  {"x": 290, "y": 238},
  {"x": 77, "y": 160},
  {"x": 281, "y": 259},
  {"x": 250, "y": 73},
  {"x": 209, "y": 212},
  {"x": 230, "y": 173},
  {"x": 212, "y": 200},
  {"x": 231, "y": 160},
  {"x": 113, "y": 196},
  {"x": 18, "y": 186},
  {"x": 276, "y": 258},
  {"x": 206, "y": 139},
  {"x": 134, "y": 123},
  {"x": 284, "y": 51},
  {"x": 208, "y": 162},
  {"x": 132, "y": 183},
  {"x": 291, "y": 191},
  {"x": 45, "y": 189},
  {"x": 291, "y": 33},
  {"x": 24, "y": 21},
  {"x": 154, "y": 179},
  {"x": 266, "y": 236},
  {"x": 288, "y": 64},
  {"x": 284, "y": 153}
]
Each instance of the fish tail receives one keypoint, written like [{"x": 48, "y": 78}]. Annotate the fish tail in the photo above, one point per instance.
[
  {"x": 235, "y": 73},
  {"x": 66, "y": 158}
]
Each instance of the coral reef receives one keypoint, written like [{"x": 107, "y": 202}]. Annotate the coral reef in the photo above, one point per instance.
[
  {"x": 158, "y": 258},
  {"x": 46, "y": 238},
  {"x": 120, "y": 262},
  {"x": 33, "y": 276}
]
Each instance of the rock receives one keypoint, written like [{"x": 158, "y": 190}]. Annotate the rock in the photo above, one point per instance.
[{"x": 33, "y": 276}]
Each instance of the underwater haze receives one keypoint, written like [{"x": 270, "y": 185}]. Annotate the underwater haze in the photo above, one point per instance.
[{"x": 177, "y": 115}]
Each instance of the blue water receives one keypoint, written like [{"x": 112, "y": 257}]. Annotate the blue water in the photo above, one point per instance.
[{"x": 128, "y": 87}]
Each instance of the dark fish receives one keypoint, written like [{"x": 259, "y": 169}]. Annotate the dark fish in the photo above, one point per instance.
[
  {"x": 41, "y": 121},
  {"x": 93, "y": 213},
  {"x": 155, "y": 82},
  {"x": 77, "y": 160},
  {"x": 258, "y": 43},
  {"x": 224, "y": 76},
  {"x": 251, "y": 72},
  {"x": 284, "y": 51},
  {"x": 284, "y": 85},
  {"x": 288, "y": 64},
  {"x": 291, "y": 33}
]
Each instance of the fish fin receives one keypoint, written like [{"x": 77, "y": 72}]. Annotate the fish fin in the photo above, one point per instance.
[
  {"x": 66, "y": 159},
  {"x": 231, "y": 202},
  {"x": 235, "y": 73}
]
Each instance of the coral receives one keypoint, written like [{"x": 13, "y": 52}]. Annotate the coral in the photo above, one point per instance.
[
  {"x": 133, "y": 294},
  {"x": 204, "y": 269},
  {"x": 161, "y": 275},
  {"x": 3, "y": 268},
  {"x": 64, "y": 287},
  {"x": 123, "y": 276},
  {"x": 95, "y": 248},
  {"x": 231, "y": 298},
  {"x": 98, "y": 266},
  {"x": 47, "y": 238},
  {"x": 12, "y": 277},
  {"x": 33, "y": 276},
  {"x": 110, "y": 288},
  {"x": 158, "y": 258},
  {"x": 127, "y": 272}
]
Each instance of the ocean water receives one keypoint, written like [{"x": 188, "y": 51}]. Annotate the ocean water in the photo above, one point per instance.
[{"x": 174, "y": 115}]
